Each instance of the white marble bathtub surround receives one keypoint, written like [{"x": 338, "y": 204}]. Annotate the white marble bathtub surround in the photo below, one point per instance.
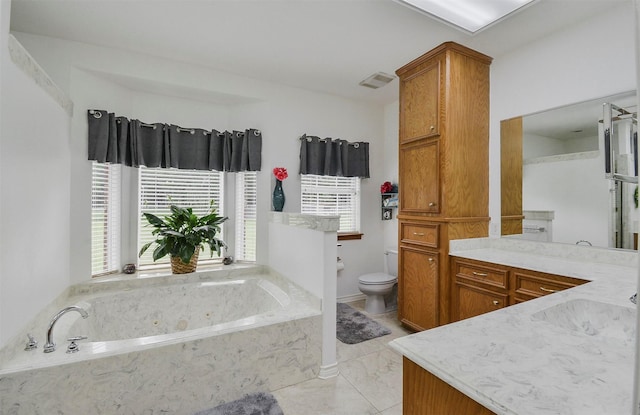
[
  {"x": 190, "y": 367},
  {"x": 303, "y": 249},
  {"x": 535, "y": 357}
]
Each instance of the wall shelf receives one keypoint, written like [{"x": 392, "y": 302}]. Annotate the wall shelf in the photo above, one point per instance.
[{"x": 388, "y": 202}]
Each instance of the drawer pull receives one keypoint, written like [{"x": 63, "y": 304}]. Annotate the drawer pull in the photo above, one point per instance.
[
  {"x": 546, "y": 290},
  {"x": 418, "y": 233},
  {"x": 496, "y": 302},
  {"x": 432, "y": 204},
  {"x": 480, "y": 274}
]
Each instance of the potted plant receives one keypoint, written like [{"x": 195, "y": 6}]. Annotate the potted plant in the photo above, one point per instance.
[{"x": 182, "y": 234}]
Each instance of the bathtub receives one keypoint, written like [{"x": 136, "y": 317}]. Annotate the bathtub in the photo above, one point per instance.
[{"x": 174, "y": 344}]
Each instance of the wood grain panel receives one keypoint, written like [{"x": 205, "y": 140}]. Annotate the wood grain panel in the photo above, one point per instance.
[
  {"x": 425, "y": 394},
  {"x": 424, "y": 234},
  {"x": 471, "y": 300},
  {"x": 420, "y": 104},
  {"x": 418, "y": 288},
  {"x": 420, "y": 177},
  {"x": 465, "y": 137},
  {"x": 476, "y": 228},
  {"x": 511, "y": 175},
  {"x": 526, "y": 285},
  {"x": 485, "y": 274}
]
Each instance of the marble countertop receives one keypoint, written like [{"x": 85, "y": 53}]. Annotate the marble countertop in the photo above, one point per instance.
[{"x": 513, "y": 363}]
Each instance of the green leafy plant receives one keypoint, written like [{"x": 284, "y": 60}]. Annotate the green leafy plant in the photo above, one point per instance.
[{"x": 181, "y": 232}]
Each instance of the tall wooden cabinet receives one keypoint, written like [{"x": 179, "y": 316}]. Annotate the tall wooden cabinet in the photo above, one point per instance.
[{"x": 444, "y": 174}]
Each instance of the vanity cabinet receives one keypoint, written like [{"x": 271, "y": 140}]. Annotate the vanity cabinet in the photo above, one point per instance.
[
  {"x": 443, "y": 174},
  {"x": 425, "y": 394},
  {"x": 480, "y": 287},
  {"x": 527, "y": 285},
  {"x": 477, "y": 289}
]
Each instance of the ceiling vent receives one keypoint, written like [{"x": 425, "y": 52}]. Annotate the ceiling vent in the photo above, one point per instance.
[{"x": 377, "y": 80}]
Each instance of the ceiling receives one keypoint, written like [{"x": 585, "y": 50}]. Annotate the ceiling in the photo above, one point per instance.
[
  {"x": 578, "y": 120},
  {"x": 321, "y": 45}
]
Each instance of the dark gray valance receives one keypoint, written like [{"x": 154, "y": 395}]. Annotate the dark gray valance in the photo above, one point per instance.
[
  {"x": 328, "y": 157},
  {"x": 134, "y": 143}
]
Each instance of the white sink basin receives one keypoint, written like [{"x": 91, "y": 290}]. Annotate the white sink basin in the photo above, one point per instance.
[{"x": 592, "y": 318}]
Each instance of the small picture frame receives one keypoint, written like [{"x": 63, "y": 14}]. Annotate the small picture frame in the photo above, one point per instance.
[{"x": 387, "y": 213}]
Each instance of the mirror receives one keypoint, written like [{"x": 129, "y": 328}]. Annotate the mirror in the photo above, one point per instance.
[{"x": 554, "y": 186}]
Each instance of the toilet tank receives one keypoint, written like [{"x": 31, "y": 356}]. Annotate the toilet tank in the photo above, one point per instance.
[{"x": 391, "y": 262}]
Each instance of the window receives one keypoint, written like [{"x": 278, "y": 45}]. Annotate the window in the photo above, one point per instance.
[
  {"x": 332, "y": 195},
  {"x": 105, "y": 218},
  {"x": 159, "y": 188},
  {"x": 246, "y": 215}
]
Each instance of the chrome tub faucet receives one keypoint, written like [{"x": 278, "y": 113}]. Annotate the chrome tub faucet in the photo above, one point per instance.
[{"x": 50, "y": 346}]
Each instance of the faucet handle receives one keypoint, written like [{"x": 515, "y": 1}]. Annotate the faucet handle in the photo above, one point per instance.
[
  {"x": 73, "y": 346},
  {"x": 32, "y": 343}
]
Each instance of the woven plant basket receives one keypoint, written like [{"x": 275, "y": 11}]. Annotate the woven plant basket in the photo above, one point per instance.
[{"x": 179, "y": 267}]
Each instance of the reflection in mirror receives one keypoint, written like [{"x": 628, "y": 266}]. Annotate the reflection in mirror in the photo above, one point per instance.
[{"x": 566, "y": 196}]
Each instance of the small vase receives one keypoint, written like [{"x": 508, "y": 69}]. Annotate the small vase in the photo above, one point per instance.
[{"x": 278, "y": 196}]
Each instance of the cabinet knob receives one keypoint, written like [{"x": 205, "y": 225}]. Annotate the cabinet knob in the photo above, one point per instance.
[
  {"x": 432, "y": 204},
  {"x": 430, "y": 259},
  {"x": 433, "y": 127},
  {"x": 496, "y": 302}
]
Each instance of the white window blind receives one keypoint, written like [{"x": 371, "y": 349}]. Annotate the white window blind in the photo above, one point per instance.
[
  {"x": 160, "y": 188},
  {"x": 332, "y": 195},
  {"x": 105, "y": 218},
  {"x": 246, "y": 215}
]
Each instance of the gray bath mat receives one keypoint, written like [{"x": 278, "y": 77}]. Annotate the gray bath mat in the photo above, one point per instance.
[
  {"x": 354, "y": 327},
  {"x": 255, "y": 404}
]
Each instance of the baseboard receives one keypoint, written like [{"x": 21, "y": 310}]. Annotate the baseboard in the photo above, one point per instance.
[
  {"x": 351, "y": 298},
  {"x": 329, "y": 371}
]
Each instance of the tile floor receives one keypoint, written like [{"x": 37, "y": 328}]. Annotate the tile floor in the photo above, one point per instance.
[{"x": 369, "y": 383}]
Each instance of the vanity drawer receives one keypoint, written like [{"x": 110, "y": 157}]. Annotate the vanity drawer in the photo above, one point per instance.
[
  {"x": 530, "y": 284},
  {"x": 483, "y": 273},
  {"x": 424, "y": 234}
]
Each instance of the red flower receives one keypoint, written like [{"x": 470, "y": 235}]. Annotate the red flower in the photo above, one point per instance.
[
  {"x": 386, "y": 187},
  {"x": 280, "y": 173}
]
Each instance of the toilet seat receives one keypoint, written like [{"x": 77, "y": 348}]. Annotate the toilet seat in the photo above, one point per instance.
[{"x": 378, "y": 278}]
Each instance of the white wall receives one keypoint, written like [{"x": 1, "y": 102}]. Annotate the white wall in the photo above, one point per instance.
[
  {"x": 282, "y": 113},
  {"x": 578, "y": 194},
  {"x": 571, "y": 66},
  {"x": 35, "y": 196}
]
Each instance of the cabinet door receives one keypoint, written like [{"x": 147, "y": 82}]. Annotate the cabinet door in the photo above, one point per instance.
[
  {"x": 470, "y": 300},
  {"x": 418, "y": 288},
  {"x": 420, "y": 178},
  {"x": 420, "y": 104}
]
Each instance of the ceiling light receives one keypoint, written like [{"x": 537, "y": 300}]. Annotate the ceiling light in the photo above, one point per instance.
[
  {"x": 469, "y": 15},
  {"x": 377, "y": 80}
]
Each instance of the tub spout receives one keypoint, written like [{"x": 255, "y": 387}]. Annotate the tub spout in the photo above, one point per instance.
[{"x": 50, "y": 346}]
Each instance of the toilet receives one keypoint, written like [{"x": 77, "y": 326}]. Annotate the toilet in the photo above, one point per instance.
[{"x": 378, "y": 285}]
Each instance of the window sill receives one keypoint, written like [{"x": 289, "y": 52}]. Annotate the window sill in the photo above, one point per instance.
[{"x": 349, "y": 236}]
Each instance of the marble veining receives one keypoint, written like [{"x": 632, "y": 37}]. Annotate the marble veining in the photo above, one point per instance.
[
  {"x": 544, "y": 356},
  {"x": 299, "y": 220},
  {"x": 585, "y": 155},
  {"x": 202, "y": 339},
  {"x": 23, "y": 60}
]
